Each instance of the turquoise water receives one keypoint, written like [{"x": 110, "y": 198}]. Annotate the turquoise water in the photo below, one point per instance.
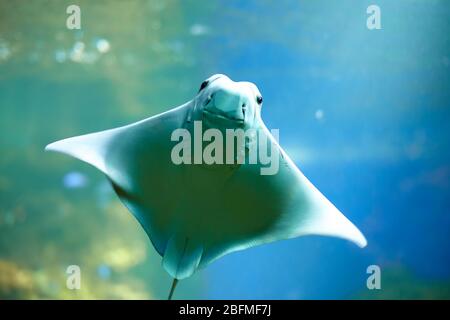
[{"x": 364, "y": 114}]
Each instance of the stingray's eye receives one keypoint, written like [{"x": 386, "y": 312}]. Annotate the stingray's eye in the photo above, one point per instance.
[
  {"x": 203, "y": 85},
  {"x": 259, "y": 100}
]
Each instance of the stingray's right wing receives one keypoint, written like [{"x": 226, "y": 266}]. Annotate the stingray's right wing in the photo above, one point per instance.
[{"x": 308, "y": 211}]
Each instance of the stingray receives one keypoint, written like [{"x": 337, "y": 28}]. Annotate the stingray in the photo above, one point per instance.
[{"x": 195, "y": 211}]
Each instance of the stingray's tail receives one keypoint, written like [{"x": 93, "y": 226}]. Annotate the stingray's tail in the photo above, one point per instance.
[{"x": 172, "y": 289}]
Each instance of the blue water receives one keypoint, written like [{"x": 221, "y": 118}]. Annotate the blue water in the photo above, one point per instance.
[{"x": 380, "y": 151}]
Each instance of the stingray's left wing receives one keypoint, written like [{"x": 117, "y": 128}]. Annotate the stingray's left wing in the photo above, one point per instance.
[{"x": 131, "y": 157}]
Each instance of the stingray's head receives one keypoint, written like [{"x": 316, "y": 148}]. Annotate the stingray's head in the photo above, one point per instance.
[{"x": 223, "y": 101}]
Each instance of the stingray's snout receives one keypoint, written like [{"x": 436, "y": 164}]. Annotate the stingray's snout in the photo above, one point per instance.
[
  {"x": 228, "y": 102},
  {"x": 231, "y": 104}
]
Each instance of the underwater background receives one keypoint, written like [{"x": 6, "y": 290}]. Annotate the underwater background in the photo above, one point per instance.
[{"x": 365, "y": 114}]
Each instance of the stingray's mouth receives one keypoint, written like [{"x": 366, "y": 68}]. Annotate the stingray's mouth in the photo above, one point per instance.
[{"x": 222, "y": 117}]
